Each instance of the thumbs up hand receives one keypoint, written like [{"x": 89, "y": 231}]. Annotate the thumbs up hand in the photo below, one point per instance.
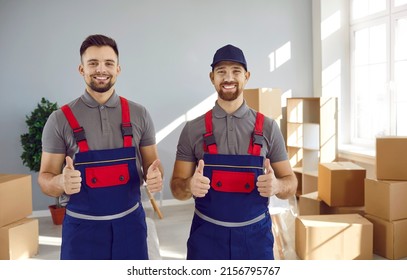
[
  {"x": 199, "y": 184},
  {"x": 154, "y": 179},
  {"x": 71, "y": 178},
  {"x": 266, "y": 181}
]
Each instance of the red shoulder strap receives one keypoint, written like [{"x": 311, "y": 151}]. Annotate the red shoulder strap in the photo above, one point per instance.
[
  {"x": 256, "y": 141},
  {"x": 209, "y": 139},
  {"x": 126, "y": 124},
  {"x": 78, "y": 131}
]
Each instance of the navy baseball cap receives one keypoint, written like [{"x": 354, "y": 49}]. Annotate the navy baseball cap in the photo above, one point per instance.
[{"x": 229, "y": 53}]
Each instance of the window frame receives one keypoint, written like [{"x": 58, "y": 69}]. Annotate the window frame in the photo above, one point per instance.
[{"x": 389, "y": 18}]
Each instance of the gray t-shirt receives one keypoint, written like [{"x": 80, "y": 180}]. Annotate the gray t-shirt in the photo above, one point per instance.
[
  {"x": 102, "y": 125},
  {"x": 232, "y": 134}
]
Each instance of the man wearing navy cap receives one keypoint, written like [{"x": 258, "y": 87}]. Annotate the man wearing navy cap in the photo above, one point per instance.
[{"x": 231, "y": 160}]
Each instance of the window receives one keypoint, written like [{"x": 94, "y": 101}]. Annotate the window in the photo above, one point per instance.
[{"x": 378, "y": 69}]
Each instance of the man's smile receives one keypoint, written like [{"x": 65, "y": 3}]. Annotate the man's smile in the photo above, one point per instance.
[
  {"x": 101, "y": 78},
  {"x": 229, "y": 86}
]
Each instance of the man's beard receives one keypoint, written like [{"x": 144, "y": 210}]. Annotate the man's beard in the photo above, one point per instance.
[
  {"x": 100, "y": 88},
  {"x": 230, "y": 96}
]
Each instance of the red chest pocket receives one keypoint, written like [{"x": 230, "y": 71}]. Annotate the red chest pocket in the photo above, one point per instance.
[
  {"x": 107, "y": 176},
  {"x": 229, "y": 181}
]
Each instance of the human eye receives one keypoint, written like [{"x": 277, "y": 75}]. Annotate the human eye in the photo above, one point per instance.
[
  {"x": 110, "y": 63},
  {"x": 92, "y": 63}
]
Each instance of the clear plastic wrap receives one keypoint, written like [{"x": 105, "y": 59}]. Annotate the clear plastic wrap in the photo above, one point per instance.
[{"x": 283, "y": 214}]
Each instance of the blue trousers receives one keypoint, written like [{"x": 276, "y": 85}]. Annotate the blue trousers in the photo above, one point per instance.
[
  {"x": 119, "y": 239},
  {"x": 208, "y": 241}
]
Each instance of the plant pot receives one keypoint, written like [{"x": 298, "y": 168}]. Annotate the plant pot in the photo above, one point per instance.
[{"x": 57, "y": 214}]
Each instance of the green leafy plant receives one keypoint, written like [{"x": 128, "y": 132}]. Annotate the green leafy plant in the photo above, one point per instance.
[{"x": 31, "y": 141}]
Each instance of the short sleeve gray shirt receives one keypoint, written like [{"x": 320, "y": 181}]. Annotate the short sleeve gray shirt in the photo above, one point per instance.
[
  {"x": 102, "y": 125},
  {"x": 232, "y": 133}
]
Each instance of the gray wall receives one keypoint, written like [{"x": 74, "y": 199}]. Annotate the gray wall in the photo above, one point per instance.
[{"x": 165, "y": 47}]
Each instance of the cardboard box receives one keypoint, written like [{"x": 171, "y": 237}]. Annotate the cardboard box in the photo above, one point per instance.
[
  {"x": 391, "y": 158},
  {"x": 311, "y": 204},
  {"x": 341, "y": 183},
  {"x": 389, "y": 238},
  {"x": 265, "y": 100},
  {"x": 15, "y": 197},
  {"x": 334, "y": 237},
  {"x": 19, "y": 240},
  {"x": 386, "y": 199}
]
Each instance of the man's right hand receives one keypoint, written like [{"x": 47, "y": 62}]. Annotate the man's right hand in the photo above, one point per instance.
[
  {"x": 71, "y": 178},
  {"x": 199, "y": 184}
]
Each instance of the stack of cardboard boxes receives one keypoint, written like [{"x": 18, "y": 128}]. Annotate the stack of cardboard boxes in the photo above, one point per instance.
[
  {"x": 331, "y": 224},
  {"x": 18, "y": 233},
  {"x": 386, "y": 198}
]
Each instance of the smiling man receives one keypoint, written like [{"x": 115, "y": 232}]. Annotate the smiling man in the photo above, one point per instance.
[
  {"x": 231, "y": 161},
  {"x": 96, "y": 153}
]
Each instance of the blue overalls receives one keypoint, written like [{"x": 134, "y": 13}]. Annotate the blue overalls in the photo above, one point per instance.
[
  {"x": 105, "y": 220},
  {"x": 232, "y": 220}
]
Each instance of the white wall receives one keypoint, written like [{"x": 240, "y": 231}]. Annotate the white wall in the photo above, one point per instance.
[
  {"x": 165, "y": 47},
  {"x": 331, "y": 56}
]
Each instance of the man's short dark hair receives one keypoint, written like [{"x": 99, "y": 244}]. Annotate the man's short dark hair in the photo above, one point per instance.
[{"x": 99, "y": 41}]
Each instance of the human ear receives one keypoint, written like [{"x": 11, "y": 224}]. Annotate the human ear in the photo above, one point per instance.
[
  {"x": 247, "y": 75},
  {"x": 80, "y": 69},
  {"x": 211, "y": 76}
]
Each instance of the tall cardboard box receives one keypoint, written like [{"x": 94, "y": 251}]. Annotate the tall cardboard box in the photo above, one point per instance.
[
  {"x": 265, "y": 100},
  {"x": 389, "y": 237},
  {"x": 19, "y": 240},
  {"x": 334, "y": 237},
  {"x": 341, "y": 183},
  {"x": 386, "y": 199},
  {"x": 391, "y": 158},
  {"x": 15, "y": 197}
]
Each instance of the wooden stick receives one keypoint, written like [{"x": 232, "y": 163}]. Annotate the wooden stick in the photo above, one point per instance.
[
  {"x": 277, "y": 235},
  {"x": 154, "y": 204}
]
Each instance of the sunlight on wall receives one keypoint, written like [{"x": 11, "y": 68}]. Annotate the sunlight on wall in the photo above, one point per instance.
[
  {"x": 272, "y": 61},
  {"x": 330, "y": 25},
  {"x": 160, "y": 135},
  {"x": 331, "y": 79},
  {"x": 283, "y": 54},
  {"x": 191, "y": 114},
  {"x": 202, "y": 107},
  {"x": 280, "y": 56},
  {"x": 287, "y": 94}
]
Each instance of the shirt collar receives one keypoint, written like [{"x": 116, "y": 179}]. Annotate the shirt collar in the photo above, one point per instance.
[
  {"x": 112, "y": 102},
  {"x": 219, "y": 113}
]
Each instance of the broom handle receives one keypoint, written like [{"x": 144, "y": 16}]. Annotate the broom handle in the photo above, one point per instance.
[{"x": 154, "y": 203}]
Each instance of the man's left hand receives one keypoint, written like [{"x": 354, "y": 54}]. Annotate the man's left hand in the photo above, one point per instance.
[
  {"x": 154, "y": 179},
  {"x": 266, "y": 181}
]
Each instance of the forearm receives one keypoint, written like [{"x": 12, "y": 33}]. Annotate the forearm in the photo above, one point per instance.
[
  {"x": 287, "y": 186},
  {"x": 180, "y": 188},
  {"x": 51, "y": 184}
]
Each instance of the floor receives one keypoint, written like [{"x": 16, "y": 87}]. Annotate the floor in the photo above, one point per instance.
[{"x": 168, "y": 236}]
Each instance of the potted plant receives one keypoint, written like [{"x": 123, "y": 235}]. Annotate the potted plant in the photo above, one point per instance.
[{"x": 32, "y": 147}]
